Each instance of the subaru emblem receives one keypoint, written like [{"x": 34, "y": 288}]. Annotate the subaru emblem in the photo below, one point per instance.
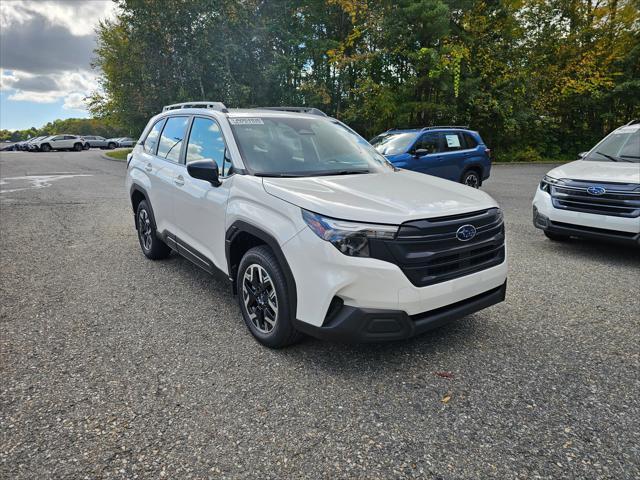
[
  {"x": 595, "y": 190},
  {"x": 466, "y": 233}
]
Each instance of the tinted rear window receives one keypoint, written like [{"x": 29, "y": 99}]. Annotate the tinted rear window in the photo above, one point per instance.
[{"x": 469, "y": 140}]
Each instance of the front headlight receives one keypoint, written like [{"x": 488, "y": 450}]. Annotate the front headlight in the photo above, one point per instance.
[
  {"x": 547, "y": 181},
  {"x": 351, "y": 238}
]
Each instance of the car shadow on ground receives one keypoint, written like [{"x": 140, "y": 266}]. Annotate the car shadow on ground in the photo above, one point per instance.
[
  {"x": 587, "y": 249},
  {"x": 350, "y": 358}
]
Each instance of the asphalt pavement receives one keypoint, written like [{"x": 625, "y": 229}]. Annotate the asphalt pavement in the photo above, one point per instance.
[{"x": 114, "y": 366}]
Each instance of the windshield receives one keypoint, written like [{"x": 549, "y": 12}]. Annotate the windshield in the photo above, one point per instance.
[
  {"x": 302, "y": 147},
  {"x": 394, "y": 143},
  {"x": 623, "y": 145}
]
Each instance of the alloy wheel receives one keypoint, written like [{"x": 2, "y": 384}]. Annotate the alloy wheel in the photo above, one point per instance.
[
  {"x": 260, "y": 300},
  {"x": 471, "y": 179},
  {"x": 144, "y": 229}
]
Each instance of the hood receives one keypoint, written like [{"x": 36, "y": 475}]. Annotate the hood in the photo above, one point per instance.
[
  {"x": 618, "y": 172},
  {"x": 390, "y": 197}
]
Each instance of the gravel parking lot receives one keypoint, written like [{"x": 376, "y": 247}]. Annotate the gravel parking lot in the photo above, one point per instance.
[{"x": 117, "y": 367}]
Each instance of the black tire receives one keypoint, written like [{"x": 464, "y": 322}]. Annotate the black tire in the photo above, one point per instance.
[
  {"x": 150, "y": 243},
  {"x": 471, "y": 178},
  {"x": 86, "y": 146},
  {"x": 556, "y": 237},
  {"x": 111, "y": 146},
  {"x": 77, "y": 147},
  {"x": 45, "y": 147},
  {"x": 257, "y": 310}
]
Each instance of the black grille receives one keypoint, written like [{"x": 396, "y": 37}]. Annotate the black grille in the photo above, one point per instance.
[
  {"x": 429, "y": 252},
  {"x": 619, "y": 199}
]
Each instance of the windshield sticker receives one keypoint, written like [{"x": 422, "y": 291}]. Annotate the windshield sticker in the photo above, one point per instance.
[
  {"x": 452, "y": 141},
  {"x": 246, "y": 121}
]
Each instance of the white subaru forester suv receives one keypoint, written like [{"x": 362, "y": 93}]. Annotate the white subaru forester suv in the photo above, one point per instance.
[
  {"x": 317, "y": 232},
  {"x": 597, "y": 196}
]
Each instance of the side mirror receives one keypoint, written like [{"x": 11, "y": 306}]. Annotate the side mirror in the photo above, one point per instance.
[
  {"x": 206, "y": 170},
  {"x": 420, "y": 152},
  {"x": 582, "y": 154}
]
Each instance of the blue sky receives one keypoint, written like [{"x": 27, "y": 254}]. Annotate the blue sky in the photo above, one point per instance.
[
  {"x": 19, "y": 115},
  {"x": 46, "y": 48}
]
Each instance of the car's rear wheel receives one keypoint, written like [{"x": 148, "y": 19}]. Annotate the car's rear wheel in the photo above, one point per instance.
[
  {"x": 86, "y": 146},
  {"x": 556, "y": 237},
  {"x": 45, "y": 147},
  {"x": 264, "y": 298},
  {"x": 151, "y": 245},
  {"x": 471, "y": 178}
]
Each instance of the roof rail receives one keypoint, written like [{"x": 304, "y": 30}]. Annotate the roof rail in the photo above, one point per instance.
[
  {"x": 633, "y": 122},
  {"x": 309, "y": 110},
  {"x": 211, "y": 105},
  {"x": 445, "y": 126}
]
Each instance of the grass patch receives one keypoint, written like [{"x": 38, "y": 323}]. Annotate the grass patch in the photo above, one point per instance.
[{"x": 119, "y": 154}]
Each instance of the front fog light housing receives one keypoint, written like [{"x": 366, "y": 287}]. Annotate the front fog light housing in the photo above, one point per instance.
[{"x": 351, "y": 238}]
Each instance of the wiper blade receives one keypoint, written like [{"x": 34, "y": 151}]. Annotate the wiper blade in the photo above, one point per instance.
[
  {"x": 277, "y": 175},
  {"x": 610, "y": 157},
  {"x": 342, "y": 172}
]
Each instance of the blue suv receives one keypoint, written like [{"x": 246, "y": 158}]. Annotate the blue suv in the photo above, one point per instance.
[{"x": 451, "y": 152}]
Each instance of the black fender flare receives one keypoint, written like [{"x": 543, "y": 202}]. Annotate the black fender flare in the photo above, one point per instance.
[{"x": 240, "y": 226}]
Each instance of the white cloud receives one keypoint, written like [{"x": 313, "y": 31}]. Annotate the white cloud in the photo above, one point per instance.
[
  {"x": 46, "y": 49},
  {"x": 77, "y": 16},
  {"x": 36, "y": 97},
  {"x": 7, "y": 80},
  {"x": 72, "y": 87},
  {"x": 75, "y": 101}
]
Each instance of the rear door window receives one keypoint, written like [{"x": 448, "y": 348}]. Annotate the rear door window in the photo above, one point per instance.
[
  {"x": 171, "y": 138},
  {"x": 452, "y": 141},
  {"x": 151, "y": 142},
  {"x": 469, "y": 140}
]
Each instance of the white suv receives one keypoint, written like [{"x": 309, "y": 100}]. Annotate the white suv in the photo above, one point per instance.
[
  {"x": 317, "y": 232},
  {"x": 597, "y": 196},
  {"x": 60, "y": 142}
]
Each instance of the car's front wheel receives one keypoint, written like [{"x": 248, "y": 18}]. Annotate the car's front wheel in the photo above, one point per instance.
[
  {"x": 77, "y": 147},
  {"x": 45, "y": 148},
  {"x": 151, "y": 245},
  {"x": 111, "y": 146},
  {"x": 471, "y": 178},
  {"x": 264, "y": 298}
]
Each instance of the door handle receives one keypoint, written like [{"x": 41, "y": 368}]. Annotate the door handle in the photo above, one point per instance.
[
  {"x": 148, "y": 167},
  {"x": 179, "y": 180}
]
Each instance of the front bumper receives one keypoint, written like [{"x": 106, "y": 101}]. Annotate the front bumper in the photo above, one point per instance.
[
  {"x": 586, "y": 225},
  {"x": 354, "y": 324},
  {"x": 324, "y": 275}
]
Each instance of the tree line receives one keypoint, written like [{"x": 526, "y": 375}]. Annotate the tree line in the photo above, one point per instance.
[
  {"x": 537, "y": 78},
  {"x": 75, "y": 126}
]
